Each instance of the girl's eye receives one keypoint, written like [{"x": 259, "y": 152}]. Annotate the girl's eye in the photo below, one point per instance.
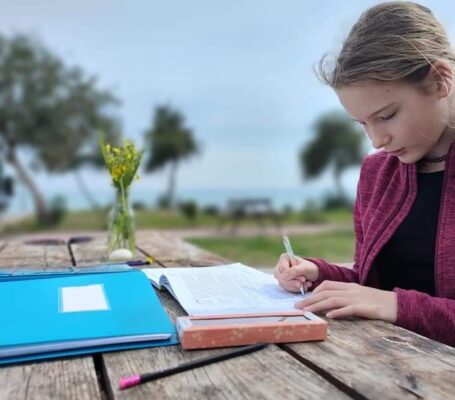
[{"x": 390, "y": 116}]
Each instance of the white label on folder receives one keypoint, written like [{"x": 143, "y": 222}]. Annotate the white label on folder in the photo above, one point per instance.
[{"x": 83, "y": 298}]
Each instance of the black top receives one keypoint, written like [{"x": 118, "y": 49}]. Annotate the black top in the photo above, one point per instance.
[{"x": 407, "y": 259}]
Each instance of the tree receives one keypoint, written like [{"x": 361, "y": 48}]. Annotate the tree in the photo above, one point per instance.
[
  {"x": 52, "y": 110},
  {"x": 338, "y": 144},
  {"x": 169, "y": 142},
  {"x": 6, "y": 187},
  {"x": 90, "y": 155}
]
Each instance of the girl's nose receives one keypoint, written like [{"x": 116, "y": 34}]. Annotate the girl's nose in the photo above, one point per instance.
[{"x": 378, "y": 139}]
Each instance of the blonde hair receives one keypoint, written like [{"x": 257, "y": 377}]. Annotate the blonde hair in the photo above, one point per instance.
[{"x": 390, "y": 41}]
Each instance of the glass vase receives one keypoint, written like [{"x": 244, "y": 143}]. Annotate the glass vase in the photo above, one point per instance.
[{"x": 121, "y": 223}]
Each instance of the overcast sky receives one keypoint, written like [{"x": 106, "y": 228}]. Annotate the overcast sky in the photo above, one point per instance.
[{"x": 240, "y": 71}]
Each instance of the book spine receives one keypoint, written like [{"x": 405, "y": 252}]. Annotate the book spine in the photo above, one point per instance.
[{"x": 238, "y": 335}]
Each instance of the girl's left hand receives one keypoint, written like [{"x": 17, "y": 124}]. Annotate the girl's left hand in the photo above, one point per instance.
[{"x": 351, "y": 300}]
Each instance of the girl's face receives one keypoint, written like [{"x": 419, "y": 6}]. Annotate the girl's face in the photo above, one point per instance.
[{"x": 397, "y": 117}]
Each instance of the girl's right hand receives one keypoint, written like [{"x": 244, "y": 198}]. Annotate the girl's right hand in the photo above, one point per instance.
[{"x": 293, "y": 277}]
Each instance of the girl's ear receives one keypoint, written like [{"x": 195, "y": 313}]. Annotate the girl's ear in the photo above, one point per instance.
[{"x": 441, "y": 73}]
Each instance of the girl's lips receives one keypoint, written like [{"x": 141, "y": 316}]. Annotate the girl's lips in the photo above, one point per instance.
[{"x": 399, "y": 152}]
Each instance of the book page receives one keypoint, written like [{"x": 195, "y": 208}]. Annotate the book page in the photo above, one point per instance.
[
  {"x": 154, "y": 275},
  {"x": 228, "y": 289}
]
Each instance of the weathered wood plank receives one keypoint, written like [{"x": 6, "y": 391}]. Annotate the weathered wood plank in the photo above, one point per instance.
[
  {"x": 164, "y": 248},
  {"x": 360, "y": 351},
  {"x": 373, "y": 358},
  {"x": 64, "y": 379},
  {"x": 94, "y": 251},
  {"x": 379, "y": 360},
  {"x": 19, "y": 254},
  {"x": 71, "y": 378},
  {"x": 90, "y": 252},
  {"x": 268, "y": 374},
  {"x": 171, "y": 251},
  {"x": 402, "y": 360}
]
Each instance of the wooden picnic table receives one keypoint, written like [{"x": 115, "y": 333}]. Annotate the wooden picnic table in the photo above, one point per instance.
[{"x": 359, "y": 360}]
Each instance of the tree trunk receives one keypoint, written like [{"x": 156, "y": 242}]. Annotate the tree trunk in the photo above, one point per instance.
[
  {"x": 171, "y": 183},
  {"x": 85, "y": 192},
  {"x": 338, "y": 184},
  {"x": 41, "y": 210}
]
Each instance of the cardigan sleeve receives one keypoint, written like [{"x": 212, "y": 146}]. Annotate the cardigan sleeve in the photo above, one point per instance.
[{"x": 433, "y": 317}]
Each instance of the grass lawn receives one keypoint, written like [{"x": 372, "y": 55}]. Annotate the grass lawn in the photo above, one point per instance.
[
  {"x": 263, "y": 251},
  {"x": 89, "y": 220}
]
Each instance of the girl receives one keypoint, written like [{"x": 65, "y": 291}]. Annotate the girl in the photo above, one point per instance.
[{"x": 394, "y": 75}]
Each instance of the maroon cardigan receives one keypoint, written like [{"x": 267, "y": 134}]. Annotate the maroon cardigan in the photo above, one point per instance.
[{"x": 386, "y": 191}]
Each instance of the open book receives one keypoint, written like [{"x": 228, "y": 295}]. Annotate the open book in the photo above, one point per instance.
[{"x": 225, "y": 289}]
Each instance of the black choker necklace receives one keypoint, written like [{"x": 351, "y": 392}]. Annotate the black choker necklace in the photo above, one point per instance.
[{"x": 435, "y": 159}]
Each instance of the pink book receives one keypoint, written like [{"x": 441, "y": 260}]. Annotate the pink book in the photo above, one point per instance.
[
  {"x": 234, "y": 305},
  {"x": 201, "y": 332}
]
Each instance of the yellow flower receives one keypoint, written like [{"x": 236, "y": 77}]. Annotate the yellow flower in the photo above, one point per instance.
[{"x": 121, "y": 162}]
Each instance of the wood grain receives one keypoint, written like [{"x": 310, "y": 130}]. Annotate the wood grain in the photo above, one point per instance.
[
  {"x": 268, "y": 374},
  {"x": 375, "y": 358},
  {"x": 360, "y": 359},
  {"x": 19, "y": 254},
  {"x": 370, "y": 358},
  {"x": 64, "y": 379},
  {"x": 71, "y": 378},
  {"x": 358, "y": 352},
  {"x": 171, "y": 251},
  {"x": 94, "y": 251}
]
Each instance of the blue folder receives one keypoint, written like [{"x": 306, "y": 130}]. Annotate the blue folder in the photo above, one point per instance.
[{"x": 80, "y": 314}]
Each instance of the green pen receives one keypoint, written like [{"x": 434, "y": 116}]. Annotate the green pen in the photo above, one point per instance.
[{"x": 291, "y": 256}]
